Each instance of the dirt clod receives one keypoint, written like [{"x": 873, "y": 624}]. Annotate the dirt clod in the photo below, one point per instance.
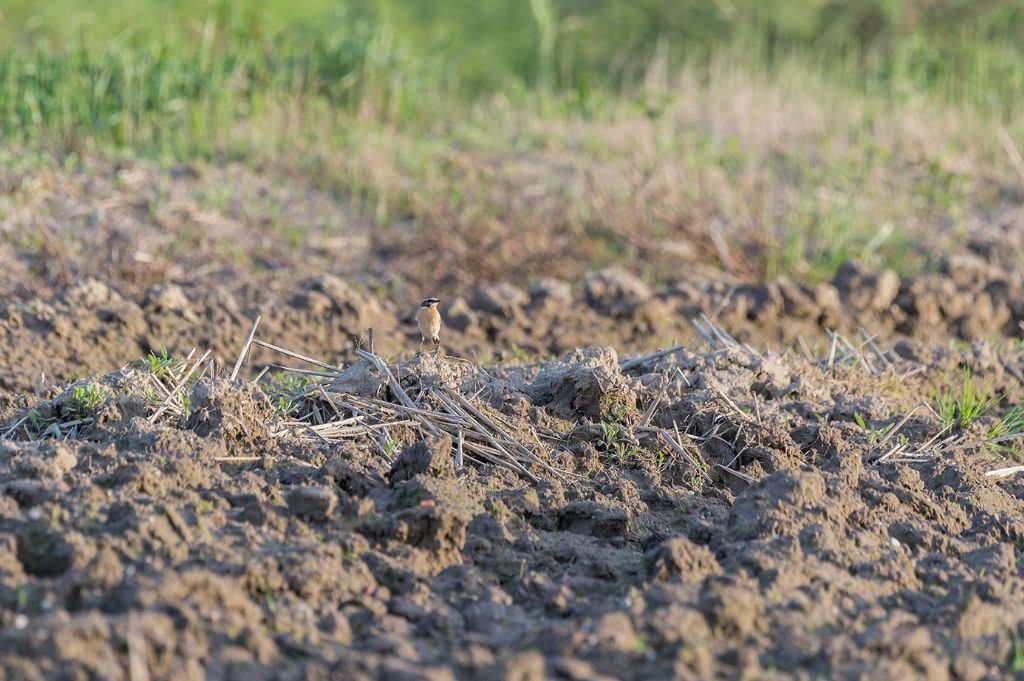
[
  {"x": 427, "y": 457},
  {"x": 315, "y": 503},
  {"x": 585, "y": 383},
  {"x": 615, "y": 292},
  {"x": 679, "y": 557},
  {"x": 238, "y": 416}
]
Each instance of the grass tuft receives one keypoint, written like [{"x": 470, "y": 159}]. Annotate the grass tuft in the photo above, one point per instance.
[
  {"x": 1012, "y": 423},
  {"x": 959, "y": 407}
]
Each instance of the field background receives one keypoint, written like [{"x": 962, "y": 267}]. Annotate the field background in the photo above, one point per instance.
[
  {"x": 549, "y": 137},
  {"x": 731, "y": 374}
]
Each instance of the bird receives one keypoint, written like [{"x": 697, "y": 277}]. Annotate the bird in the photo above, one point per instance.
[{"x": 429, "y": 320}]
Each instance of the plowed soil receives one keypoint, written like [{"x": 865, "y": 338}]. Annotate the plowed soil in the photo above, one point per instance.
[{"x": 767, "y": 500}]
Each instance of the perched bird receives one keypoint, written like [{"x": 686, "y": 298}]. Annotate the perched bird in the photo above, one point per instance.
[{"x": 429, "y": 320}]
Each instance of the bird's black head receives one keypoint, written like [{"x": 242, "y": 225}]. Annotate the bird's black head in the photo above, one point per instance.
[{"x": 429, "y": 302}]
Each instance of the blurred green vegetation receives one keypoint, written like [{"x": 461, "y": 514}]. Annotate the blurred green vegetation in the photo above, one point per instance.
[
  {"x": 145, "y": 73},
  {"x": 932, "y": 44},
  {"x": 395, "y": 89}
]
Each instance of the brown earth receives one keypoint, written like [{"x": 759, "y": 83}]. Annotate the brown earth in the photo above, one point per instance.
[{"x": 785, "y": 533}]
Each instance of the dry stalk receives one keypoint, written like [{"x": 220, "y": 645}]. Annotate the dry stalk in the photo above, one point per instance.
[
  {"x": 178, "y": 388},
  {"x": 742, "y": 414},
  {"x": 649, "y": 412},
  {"x": 1004, "y": 472},
  {"x": 295, "y": 355},
  {"x": 634, "y": 362},
  {"x": 478, "y": 438},
  {"x": 245, "y": 348},
  {"x": 742, "y": 476},
  {"x": 677, "y": 446},
  {"x": 304, "y": 372}
]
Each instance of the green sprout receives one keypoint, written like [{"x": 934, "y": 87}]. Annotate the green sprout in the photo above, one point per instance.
[
  {"x": 616, "y": 439},
  {"x": 158, "y": 363},
  {"x": 959, "y": 408},
  {"x": 87, "y": 398},
  {"x": 874, "y": 434}
]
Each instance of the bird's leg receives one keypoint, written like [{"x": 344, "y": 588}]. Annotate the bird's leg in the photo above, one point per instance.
[
  {"x": 422, "y": 341},
  {"x": 437, "y": 345}
]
